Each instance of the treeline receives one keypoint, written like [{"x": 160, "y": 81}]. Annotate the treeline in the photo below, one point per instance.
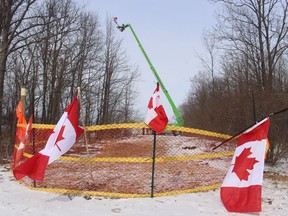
[
  {"x": 245, "y": 76},
  {"x": 51, "y": 47}
]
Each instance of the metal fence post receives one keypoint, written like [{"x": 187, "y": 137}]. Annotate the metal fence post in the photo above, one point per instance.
[{"x": 153, "y": 164}]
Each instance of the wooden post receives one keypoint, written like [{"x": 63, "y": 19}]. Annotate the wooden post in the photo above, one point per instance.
[
  {"x": 23, "y": 99},
  {"x": 85, "y": 136}
]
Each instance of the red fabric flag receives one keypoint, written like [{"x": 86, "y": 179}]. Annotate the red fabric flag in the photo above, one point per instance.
[
  {"x": 23, "y": 143},
  {"x": 20, "y": 139},
  {"x": 156, "y": 117},
  {"x": 20, "y": 131},
  {"x": 64, "y": 135},
  {"x": 242, "y": 187}
]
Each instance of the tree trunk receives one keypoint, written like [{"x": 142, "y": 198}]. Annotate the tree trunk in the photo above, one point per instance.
[{"x": 3, "y": 59}]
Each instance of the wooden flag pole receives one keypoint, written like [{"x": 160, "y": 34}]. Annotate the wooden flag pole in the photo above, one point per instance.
[
  {"x": 84, "y": 127},
  {"x": 23, "y": 99},
  {"x": 83, "y": 121}
]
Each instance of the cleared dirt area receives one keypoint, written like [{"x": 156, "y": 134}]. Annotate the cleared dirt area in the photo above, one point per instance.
[{"x": 128, "y": 168}]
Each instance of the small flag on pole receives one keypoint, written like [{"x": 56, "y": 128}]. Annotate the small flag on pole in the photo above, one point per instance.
[
  {"x": 24, "y": 142},
  {"x": 21, "y": 136},
  {"x": 156, "y": 117},
  {"x": 242, "y": 187},
  {"x": 20, "y": 131},
  {"x": 64, "y": 135}
]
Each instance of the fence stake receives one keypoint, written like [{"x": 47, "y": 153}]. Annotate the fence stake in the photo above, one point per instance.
[
  {"x": 84, "y": 127},
  {"x": 153, "y": 164},
  {"x": 33, "y": 146},
  {"x": 83, "y": 120}
]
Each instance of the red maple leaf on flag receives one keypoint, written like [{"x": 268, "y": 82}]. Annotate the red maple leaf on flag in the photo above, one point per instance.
[
  {"x": 243, "y": 164},
  {"x": 60, "y": 137}
]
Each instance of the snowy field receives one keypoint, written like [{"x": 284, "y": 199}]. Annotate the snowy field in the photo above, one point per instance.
[{"x": 17, "y": 200}]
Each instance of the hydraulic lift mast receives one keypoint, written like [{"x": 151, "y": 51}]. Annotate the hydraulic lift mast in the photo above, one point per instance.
[{"x": 179, "y": 119}]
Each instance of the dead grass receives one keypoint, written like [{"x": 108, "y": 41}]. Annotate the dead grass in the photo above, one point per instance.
[{"x": 276, "y": 177}]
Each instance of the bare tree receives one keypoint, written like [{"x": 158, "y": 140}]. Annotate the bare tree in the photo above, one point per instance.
[
  {"x": 252, "y": 35},
  {"x": 12, "y": 15},
  {"x": 117, "y": 75},
  {"x": 210, "y": 60},
  {"x": 258, "y": 31},
  {"x": 58, "y": 49}
]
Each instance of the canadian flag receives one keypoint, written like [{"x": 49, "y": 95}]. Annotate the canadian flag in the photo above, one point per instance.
[
  {"x": 156, "y": 117},
  {"x": 23, "y": 142},
  {"x": 242, "y": 187},
  {"x": 64, "y": 135},
  {"x": 22, "y": 133}
]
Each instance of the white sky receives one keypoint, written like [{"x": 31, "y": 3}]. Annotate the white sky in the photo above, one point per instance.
[{"x": 170, "y": 32}]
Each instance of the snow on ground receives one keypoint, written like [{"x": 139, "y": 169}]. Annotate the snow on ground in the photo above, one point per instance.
[{"x": 17, "y": 200}]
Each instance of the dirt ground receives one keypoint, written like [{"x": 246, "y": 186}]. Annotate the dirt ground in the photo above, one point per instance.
[{"x": 133, "y": 177}]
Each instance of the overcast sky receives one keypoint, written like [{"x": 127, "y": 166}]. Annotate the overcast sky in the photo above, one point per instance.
[{"x": 171, "y": 34}]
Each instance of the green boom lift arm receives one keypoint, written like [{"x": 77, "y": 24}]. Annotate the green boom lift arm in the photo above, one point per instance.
[{"x": 179, "y": 119}]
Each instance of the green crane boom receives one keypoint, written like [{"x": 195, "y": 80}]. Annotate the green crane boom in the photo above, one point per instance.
[{"x": 179, "y": 119}]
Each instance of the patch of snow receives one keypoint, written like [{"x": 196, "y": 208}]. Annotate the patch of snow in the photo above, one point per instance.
[{"x": 16, "y": 199}]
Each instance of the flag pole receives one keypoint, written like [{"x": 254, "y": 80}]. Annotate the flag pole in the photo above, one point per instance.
[
  {"x": 23, "y": 99},
  {"x": 83, "y": 121},
  {"x": 153, "y": 164},
  {"x": 278, "y": 112},
  {"x": 231, "y": 138},
  {"x": 84, "y": 127},
  {"x": 237, "y": 134}
]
